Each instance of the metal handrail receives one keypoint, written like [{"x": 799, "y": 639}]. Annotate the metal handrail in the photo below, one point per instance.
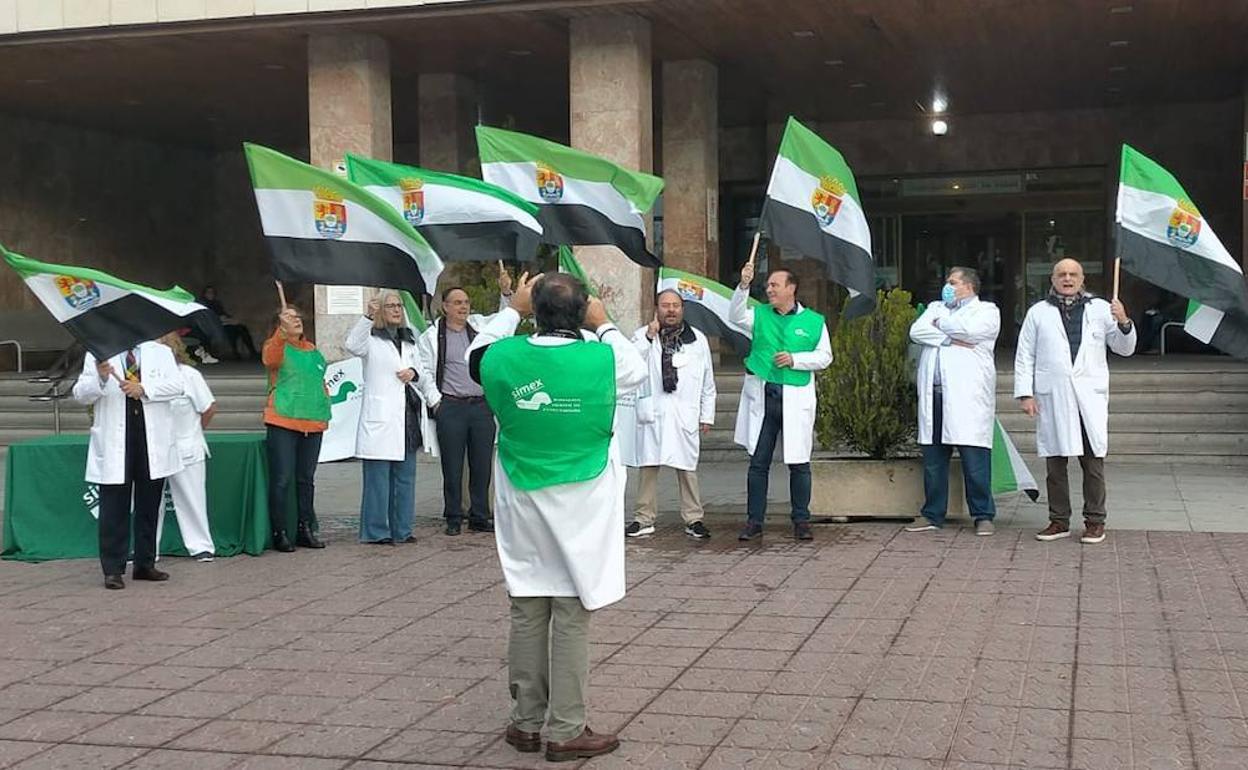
[{"x": 55, "y": 395}]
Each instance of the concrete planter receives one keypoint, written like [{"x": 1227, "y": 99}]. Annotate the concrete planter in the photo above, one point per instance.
[{"x": 844, "y": 487}]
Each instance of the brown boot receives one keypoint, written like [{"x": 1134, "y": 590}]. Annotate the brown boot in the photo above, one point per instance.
[
  {"x": 526, "y": 742},
  {"x": 587, "y": 744}
]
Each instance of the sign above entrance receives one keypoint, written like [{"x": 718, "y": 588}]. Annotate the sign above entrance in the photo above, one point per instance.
[{"x": 982, "y": 184}]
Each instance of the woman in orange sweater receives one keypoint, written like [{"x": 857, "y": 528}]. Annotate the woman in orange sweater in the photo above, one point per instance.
[{"x": 296, "y": 416}]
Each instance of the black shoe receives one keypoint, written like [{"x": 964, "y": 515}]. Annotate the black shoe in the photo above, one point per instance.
[
  {"x": 750, "y": 531},
  {"x": 383, "y": 541},
  {"x": 149, "y": 573},
  {"x": 698, "y": 531},
  {"x": 281, "y": 542},
  {"x": 409, "y": 539},
  {"x": 114, "y": 582},
  {"x": 801, "y": 531},
  {"x": 453, "y": 527},
  {"x": 480, "y": 526},
  {"x": 306, "y": 538}
]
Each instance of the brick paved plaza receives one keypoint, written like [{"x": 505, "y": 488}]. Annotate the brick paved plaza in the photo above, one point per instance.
[{"x": 867, "y": 648}]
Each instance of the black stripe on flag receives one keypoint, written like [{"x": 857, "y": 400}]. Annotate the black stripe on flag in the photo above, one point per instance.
[
  {"x": 482, "y": 241},
  {"x": 846, "y": 263},
  {"x": 567, "y": 224},
  {"x": 345, "y": 263},
  {"x": 1231, "y": 336},
  {"x": 1195, "y": 277},
  {"x": 119, "y": 325},
  {"x": 701, "y": 318}
]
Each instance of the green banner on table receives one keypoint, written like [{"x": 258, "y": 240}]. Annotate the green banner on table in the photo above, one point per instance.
[{"x": 51, "y": 513}]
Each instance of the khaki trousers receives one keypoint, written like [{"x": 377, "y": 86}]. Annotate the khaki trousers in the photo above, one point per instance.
[
  {"x": 548, "y": 658},
  {"x": 647, "y": 494}
]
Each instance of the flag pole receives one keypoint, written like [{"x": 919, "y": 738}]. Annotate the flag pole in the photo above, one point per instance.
[
  {"x": 281, "y": 294},
  {"x": 1117, "y": 269},
  {"x": 754, "y": 248}
]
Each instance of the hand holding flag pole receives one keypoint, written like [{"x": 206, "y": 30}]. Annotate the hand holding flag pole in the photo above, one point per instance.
[
  {"x": 747, "y": 270},
  {"x": 1117, "y": 269}
]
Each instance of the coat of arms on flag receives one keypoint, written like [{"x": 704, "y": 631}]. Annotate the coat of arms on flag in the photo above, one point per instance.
[
  {"x": 826, "y": 200},
  {"x": 79, "y": 293},
  {"x": 689, "y": 290},
  {"x": 413, "y": 200},
  {"x": 1183, "y": 229},
  {"x": 549, "y": 183},
  {"x": 330, "y": 212}
]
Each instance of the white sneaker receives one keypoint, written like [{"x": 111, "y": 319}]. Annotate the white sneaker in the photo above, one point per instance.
[
  {"x": 205, "y": 556},
  {"x": 926, "y": 526}
]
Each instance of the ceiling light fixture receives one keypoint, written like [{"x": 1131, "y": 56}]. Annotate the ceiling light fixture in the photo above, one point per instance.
[
  {"x": 803, "y": 33},
  {"x": 1119, "y": 43},
  {"x": 1118, "y": 68},
  {"x": 940, "y": 127},
  {"x": 939, "y": 104},
  {"x": 1122, "y": 9},
  {"x": 858, "y": 85},
  {"x": 521, "y": 52},
  {"x": 834, "y": 62}
]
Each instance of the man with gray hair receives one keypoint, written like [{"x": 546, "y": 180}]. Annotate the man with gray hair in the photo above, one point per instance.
[{"x": 957, "y": 384}]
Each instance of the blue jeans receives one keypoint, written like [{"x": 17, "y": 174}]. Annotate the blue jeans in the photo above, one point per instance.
[
  {"x": 976, "y": 474},
  {"x": 389, "y": 499},
  {"x": 760, "y": 464}
]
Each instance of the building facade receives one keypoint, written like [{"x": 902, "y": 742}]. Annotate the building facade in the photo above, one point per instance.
[{"x": 121, "y": 123}]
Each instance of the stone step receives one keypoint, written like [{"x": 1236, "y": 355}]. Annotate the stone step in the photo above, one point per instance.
[{"x": 77, "y": 420}]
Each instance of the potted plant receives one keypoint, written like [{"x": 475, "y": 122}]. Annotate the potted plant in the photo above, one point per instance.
[{"x": 866, "y": 417}]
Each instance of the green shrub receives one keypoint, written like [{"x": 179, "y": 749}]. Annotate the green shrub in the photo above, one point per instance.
[{"x": 866, "y": 398}]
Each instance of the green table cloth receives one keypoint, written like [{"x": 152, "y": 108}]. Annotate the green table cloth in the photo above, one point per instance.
[{"x": 48, "y": 507}]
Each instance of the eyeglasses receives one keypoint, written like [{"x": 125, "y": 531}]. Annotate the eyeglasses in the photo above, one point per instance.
[{"x": 392, "y": 306}]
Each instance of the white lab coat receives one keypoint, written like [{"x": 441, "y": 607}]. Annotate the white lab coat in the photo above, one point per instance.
[
  {"x": 106, "y": 453},
  {"x": 798, "y": 430},
  {"x": 968, "y": 376},
  {"x": 668, "y": 425},
  {"x": 1065, "y": 391},
  {"x": 565, "y": 540},
  {"x": 380, "y": 435},
  {"x": 188, "y": 487}
]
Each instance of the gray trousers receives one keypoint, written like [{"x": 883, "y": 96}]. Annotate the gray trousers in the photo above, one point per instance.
[
  {"x": 548, "y": 658},
  {"x": 1057, "y": 485}
]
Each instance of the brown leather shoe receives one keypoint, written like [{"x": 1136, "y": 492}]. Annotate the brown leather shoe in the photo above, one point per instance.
[
  {"x": 526, "y": 742},
  {"x": 587, "y": 744}
]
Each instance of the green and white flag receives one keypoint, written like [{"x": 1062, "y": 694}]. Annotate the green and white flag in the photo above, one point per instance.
[
  {"x": 812, "y": 207},
  {"x": 1164, "y": 239},
  {"x": 583, "y": 200},
  {"x": 706, "y": 306},
  {"x": 463, "y": 219},
  {"x": 321, "y": 228},
  {"x": 107, "y": 314},
  {"x": 1009, "y": 472},
  {"x": 1213, "y": 327}
]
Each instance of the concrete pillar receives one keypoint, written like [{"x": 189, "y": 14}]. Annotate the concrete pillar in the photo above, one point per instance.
[
  {"x": 613, "y": 116},
  {"x": 448, "y": 112},
  {"x": 348, "y": 111},
  {"x": 691, "y": 166}
]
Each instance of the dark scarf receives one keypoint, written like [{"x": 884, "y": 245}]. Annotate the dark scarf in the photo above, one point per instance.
[
  {"x": 1072, "y": 309},
  {"x": 670, "y": 341}
]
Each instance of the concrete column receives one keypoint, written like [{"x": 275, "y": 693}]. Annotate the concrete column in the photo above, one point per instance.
[
  {"x": 613, "y": 116},
  {"x": 448, "y": 112},
  {"x": 691, "y": 166},
  {"x": 348, "y": 111}
]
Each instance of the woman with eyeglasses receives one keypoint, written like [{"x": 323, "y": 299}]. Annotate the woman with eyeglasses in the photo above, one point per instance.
[
  {"x": 295, "y": 417},
  {"x": 390, "y": 432}
]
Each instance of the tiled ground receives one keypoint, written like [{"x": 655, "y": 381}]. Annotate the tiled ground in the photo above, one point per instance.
[{"x": 864, "y": 649}]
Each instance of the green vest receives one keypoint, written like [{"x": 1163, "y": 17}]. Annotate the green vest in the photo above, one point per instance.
[
  {"x": 555, "y": 407},
  {"x": 299, "y": 392},
  {"x": 775, "y": 333}
]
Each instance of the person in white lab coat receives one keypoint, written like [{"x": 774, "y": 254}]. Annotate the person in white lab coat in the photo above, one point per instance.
[
  {"x": 957, "y": 387},
  {"x": 130, "y": 453},
  {"x": 192, "y": 411},
  {"x": 1061, "y": 378},
  {"x": 789, "y": 342},
  {"x": 465, "y": 426},
  {"x": 674, "y": 408},
  {"x": 391, "y": 429},
  {"x": 558, "y": 498}
]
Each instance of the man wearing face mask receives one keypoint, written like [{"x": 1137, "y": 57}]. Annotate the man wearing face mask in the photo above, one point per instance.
[
  {"x": 1061, "y": 378},
  {"x": 957, "y": 383},
  {"x": 674, "y": 407}
]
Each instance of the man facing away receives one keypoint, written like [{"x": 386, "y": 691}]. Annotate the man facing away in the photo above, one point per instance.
[
  {"x": 788, "y": 343},
  {"x": 957, "y": 388},
  {"x": 674, "y": 408},
  {"x": 1061, "y": 378},
  {"x": 558, "y": 498}
]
